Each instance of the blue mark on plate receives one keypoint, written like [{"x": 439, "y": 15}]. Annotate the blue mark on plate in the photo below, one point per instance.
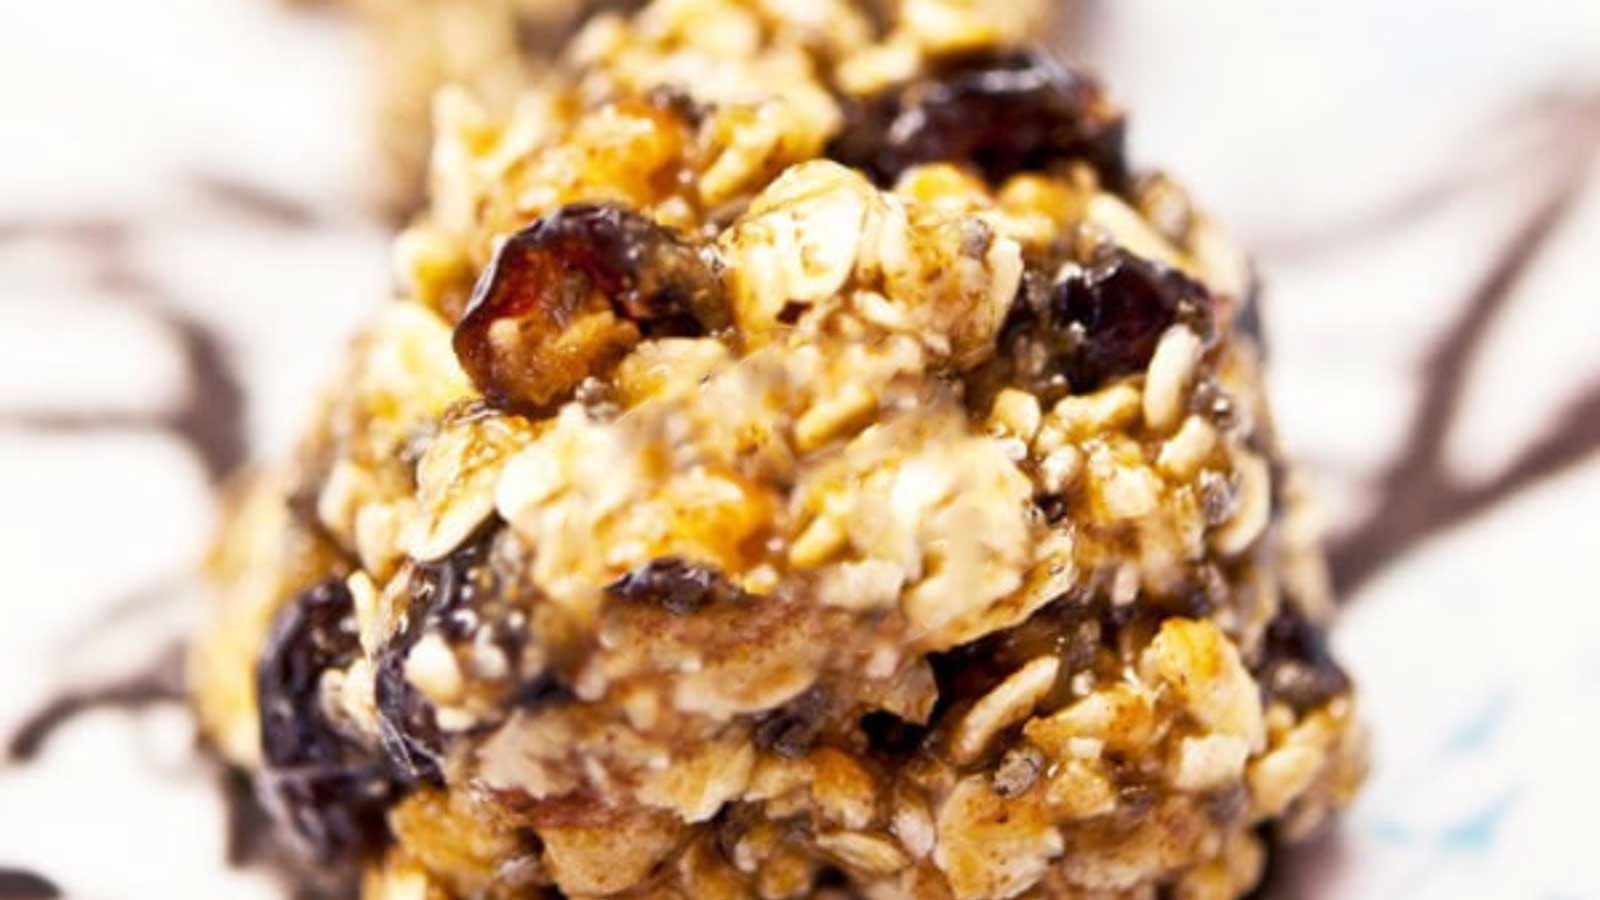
[
  {"x": 1481, "y": 728},
  {"x": 1476, "y": 833},
  {"x": 1389, "y": 831}
]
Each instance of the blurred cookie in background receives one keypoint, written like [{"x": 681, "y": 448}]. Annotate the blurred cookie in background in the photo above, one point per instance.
[{"x": 415, "y": 47}]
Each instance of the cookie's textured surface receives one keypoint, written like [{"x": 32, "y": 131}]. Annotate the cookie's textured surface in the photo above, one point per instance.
[{"x": 807, "y": 459}]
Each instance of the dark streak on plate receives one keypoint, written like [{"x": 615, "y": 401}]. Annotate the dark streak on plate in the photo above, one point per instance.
[{"x": 21, "y": 884}]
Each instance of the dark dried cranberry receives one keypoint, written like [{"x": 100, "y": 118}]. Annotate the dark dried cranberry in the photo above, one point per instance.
[
  {"x": 568, "y": 296},
  {"x": 675, "y": 584},
  {"x": 1122, "y": 303},
  {"x": 1002, "y": 113},
  {"x": 1296, "y": 666},
  {"x": 792, "y": 729},
  {"x": 326, "y": 789}
]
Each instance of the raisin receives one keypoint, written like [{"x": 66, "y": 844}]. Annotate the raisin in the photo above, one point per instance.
[
  {"x": 677, "y": 585},
  {"x": 313, "y": 634},
  {"x": 568, "y": 296},
  {"x": 407, "y": 727},
  {"x": 1120, "y": 305},
  {"x": 334, "y": 812},
  {"x": 327, "y": 790},
  {"x": 1296, "y": 666},
  {"x": 1002, "y": 113},
  {"x": 456, "y": 597},
  {"x": 1101, "y": 321},
  {"x": 1026, "y": 350},
  {"x": 792, "y": 729}
]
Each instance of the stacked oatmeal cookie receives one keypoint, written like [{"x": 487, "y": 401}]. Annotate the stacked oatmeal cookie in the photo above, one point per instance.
[{"x": 808, "y": 460}]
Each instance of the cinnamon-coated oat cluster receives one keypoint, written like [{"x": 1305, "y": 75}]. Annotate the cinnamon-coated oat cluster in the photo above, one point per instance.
[{"x": 807, "y": 462}]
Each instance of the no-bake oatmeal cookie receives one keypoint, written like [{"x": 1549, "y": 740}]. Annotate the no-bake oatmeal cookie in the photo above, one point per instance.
[{"x": 807, "y": 461}]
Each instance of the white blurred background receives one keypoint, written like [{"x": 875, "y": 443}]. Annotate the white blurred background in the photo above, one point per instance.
[{"x": 1418, "y": 181}]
